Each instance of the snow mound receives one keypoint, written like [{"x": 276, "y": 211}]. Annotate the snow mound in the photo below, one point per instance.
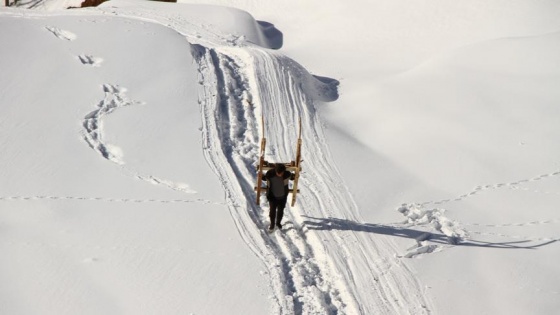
[
  {"x": 237, "y": 25},
  {"x": 48, "y": 5}
]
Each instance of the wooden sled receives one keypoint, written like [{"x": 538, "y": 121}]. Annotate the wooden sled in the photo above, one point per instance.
[{"x": 264, "y": 166}]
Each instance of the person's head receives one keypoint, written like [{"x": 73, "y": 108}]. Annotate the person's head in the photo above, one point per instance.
[{"x": 280, "y": 169}]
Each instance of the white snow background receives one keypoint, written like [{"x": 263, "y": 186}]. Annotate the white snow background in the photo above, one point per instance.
[{"x": 130, "y": 132}]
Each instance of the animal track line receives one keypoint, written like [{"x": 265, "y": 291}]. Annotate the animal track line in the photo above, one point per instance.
[
  {"x": 515, "y": 224},
  {"x": 417, "y": 215},
  {"x": 481, "y": 188},
  {"x": 103, "y": 199}
]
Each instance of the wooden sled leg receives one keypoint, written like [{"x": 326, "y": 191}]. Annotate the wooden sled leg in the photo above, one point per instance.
[
  {"x": 261, "y": 164},
  {"x": 298, "y": 166}
]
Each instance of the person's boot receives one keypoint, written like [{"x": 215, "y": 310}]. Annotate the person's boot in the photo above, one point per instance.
[
  {"x": 272, "y": 216},
  {"x": 279, "y": 216}
]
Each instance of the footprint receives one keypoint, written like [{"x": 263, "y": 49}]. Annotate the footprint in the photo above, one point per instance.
[
  {"x": 90, "y": 60},
  {"x": 93, "y": 135},
  {"x": 62, "y": 34},
  {"x": 422, "y": 249},
  {"x": 115, "y": 98}
]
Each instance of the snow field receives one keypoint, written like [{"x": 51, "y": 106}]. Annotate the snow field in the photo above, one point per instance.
[
  {"x": 446, "y": 114},
  {"x": 93, "y": 173}
]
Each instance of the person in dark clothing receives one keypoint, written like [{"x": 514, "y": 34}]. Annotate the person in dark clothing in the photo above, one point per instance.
[{"x": 277, "y": 194}]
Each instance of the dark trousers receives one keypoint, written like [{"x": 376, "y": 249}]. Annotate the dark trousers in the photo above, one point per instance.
[{"x": 277, "y": 209}]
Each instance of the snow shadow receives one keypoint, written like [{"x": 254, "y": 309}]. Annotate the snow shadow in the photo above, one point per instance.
[
  {"x": 330, "y": 224},
  {"x": 272, "y": 36},
  {"x": 326, "y": 89}
]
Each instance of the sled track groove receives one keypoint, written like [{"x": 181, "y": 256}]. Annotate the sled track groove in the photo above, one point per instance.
[{"x": 231, "y": 147}]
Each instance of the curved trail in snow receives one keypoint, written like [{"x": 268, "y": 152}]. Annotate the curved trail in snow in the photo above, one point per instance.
[{"x": 311, "y": 271}]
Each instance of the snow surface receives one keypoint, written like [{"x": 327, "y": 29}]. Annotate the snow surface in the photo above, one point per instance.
[{"x": 130, "y": 134}]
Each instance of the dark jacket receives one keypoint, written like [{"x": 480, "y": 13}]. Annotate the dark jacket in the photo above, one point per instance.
[{"x": 278, "y": 187}]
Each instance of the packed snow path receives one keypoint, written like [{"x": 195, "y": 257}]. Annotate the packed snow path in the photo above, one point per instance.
[{"x": 312, "y": 269}]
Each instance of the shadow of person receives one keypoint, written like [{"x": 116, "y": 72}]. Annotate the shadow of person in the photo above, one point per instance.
[{"x": 330, "y": 224}]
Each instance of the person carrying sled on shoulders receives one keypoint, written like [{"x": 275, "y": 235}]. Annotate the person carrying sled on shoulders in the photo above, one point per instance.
[{"x": 277, "y": 194}]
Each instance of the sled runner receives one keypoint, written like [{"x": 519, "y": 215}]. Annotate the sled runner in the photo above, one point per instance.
[{"x": 293, "y": 166}]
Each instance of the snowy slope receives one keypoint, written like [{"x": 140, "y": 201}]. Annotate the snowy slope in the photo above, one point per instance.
[
  {"x": 449, "y": 105},
  {"x": 430, "y": 172},
  {"x": 107, "y": 203}
]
